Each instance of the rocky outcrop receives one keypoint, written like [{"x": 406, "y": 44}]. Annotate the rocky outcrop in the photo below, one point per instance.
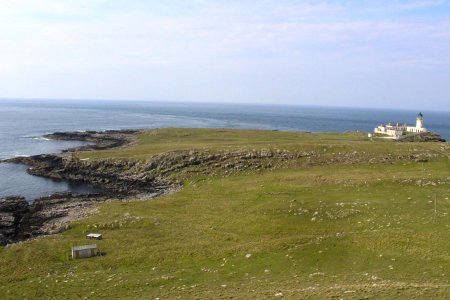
[
  {"x": 12, "y": 210},
  {"x": 362, "y": 157},
  {"x": 158, "y": 173},
  {"x": 100, "y": 139},
  {"x": 422, "y": 137},
  {"x": 20, "y": 220},
  {"x": 119, "y": 176}
]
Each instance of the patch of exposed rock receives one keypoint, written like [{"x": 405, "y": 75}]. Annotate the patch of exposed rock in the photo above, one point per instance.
[
  {"x": 20, "y": 220},
  {"x": 422, "y": 137},
  {"x": 120, "y": 176},
  {"x": 358, "y": 157},
  {"x": 12, "y": 211},
  {"x": 100, "y": 139}
]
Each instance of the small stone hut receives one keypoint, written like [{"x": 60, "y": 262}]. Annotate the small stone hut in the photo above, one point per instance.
[{"x": 84, "y": 251}]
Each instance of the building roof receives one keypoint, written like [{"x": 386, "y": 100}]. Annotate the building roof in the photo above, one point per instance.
[
  {"x": 94, "y": 235},
  {"x": 84, "y": 247},
  {"x": 420, "y": 115}
]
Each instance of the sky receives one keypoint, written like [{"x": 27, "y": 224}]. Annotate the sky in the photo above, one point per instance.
[{"x": 380, "y": 53}]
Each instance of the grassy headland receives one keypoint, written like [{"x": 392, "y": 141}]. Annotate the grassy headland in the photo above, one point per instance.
[{"x": 357, "y": 220}]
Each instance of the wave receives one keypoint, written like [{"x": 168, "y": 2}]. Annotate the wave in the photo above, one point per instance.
[
  {"x": 35, "y": 137},
  {"x": 41, "y": 139}
]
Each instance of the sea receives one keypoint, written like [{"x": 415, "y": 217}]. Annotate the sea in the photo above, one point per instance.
[{"x": 24, "y": 122}]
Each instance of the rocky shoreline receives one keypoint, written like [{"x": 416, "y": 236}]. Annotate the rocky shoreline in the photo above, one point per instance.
[
  {"x": 21, "y": 220},
  {"x": 119, "y": 179},
  {"x": 101, "y": 139}
]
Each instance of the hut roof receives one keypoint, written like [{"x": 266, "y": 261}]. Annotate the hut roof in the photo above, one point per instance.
[{"x": 94, "y": 235}]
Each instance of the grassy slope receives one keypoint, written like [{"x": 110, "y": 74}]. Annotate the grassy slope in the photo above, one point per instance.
[
  {"x": 161, "y": 140},
  {"x": 346, "y": 231}
]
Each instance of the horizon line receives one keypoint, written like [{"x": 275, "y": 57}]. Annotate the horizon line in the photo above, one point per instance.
[{"x": 216, "y": 102}]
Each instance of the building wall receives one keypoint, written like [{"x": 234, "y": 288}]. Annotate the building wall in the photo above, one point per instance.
[
  {"x": 394, "y": 132},
  {"x": 415, "y": 129},
  {"x": 83, "y": 253},
  {"x": 380, "y": 129}
]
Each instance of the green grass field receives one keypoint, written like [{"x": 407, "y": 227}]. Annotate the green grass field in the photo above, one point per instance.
[
  {"x": 305, "y": 231},
  {"x": 157, "y": 141}
]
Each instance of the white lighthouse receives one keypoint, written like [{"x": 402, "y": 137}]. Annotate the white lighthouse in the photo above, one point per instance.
[
  {"x": 397, "y": 131},
  {"x": 419, "y": 121},
  {"x": 419, "y": 125}
]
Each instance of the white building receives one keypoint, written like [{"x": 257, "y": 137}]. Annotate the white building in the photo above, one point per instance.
[
  {"x": 397, "y": 130},
  {"x": 84, "y": 251}
]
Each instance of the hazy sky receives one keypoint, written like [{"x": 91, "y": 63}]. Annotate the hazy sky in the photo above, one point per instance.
[{"x": 387, "y": 53}]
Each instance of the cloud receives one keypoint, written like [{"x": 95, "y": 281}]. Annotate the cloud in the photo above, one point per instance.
[
  {"x": 44, "y": 39},
  {"x": 413, "y": 5}
]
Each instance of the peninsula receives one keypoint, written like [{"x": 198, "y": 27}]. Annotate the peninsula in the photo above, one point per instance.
[{"x": 238, "y": 214}]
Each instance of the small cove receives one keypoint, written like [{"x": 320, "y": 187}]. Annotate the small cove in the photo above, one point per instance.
[{"x": 17, "y": 182}]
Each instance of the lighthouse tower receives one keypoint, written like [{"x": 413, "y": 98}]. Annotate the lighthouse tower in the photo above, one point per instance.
[{"x": 419, "y": 121}]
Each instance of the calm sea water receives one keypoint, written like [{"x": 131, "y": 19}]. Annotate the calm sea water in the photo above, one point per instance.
[{"x": 22, "y": 124}]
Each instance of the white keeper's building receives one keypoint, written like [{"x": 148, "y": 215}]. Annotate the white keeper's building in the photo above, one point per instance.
[{"x": 397, "y": 130}]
